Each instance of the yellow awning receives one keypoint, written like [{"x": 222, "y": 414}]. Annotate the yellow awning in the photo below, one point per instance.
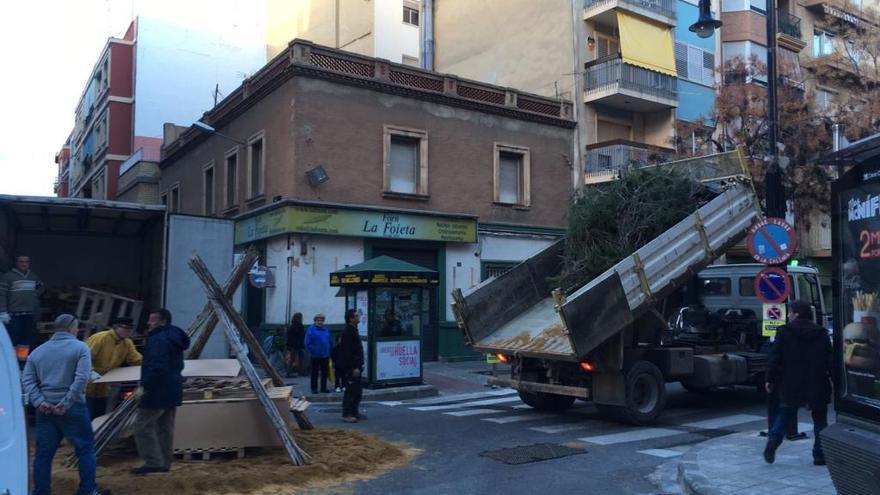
[{"x": 645, "y": 44}]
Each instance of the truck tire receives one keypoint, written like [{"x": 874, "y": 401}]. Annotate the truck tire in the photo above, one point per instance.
[
  {"x": 546, "y": 402},
  {"x": 645, "y": 393}
]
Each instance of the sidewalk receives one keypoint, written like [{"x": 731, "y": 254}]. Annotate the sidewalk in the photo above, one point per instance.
[
  {"x": 438, "y": 378},
  {"x": 735, "y": 464}
]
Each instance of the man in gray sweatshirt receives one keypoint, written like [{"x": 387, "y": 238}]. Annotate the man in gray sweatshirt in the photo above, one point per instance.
[
  {"x": 20, "y": 291},
  {"x": 55, "y": 378}
]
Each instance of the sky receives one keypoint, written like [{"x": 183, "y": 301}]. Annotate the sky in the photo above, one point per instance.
[{"x": 48, "y": 49}]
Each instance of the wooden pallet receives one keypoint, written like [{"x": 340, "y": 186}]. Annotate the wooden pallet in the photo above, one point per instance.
[
  {"x": 96, "y": 309},
  {"x": 205, "y": 454}
]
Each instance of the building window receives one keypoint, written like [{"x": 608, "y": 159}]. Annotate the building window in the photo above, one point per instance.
[
  {"x": 208, "y": 185},
  {"x": 231, "y": 178},
  {"x": 411, "y": 14},
  {"x": 174, "y": 199},
  {"x": 824, "y": 100},
  {"x": 512, "y": 175},
  {"x": 607, "y": 47},
  {"x": 406, "y": 161},
  {"x": 823, "y": 43},
  {"x": 491, "y": 269},
  {"x": 256, "y": 166},
  {"x": 163, "y": 199},
  {"x": 695, "y": 64}
]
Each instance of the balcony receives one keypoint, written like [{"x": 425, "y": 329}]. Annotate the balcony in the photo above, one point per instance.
[
  {"x": 842, "y": 11},
  {"x": 612, "y": 82},
  {"x": 608, "y": 158},
  {"x": 789, "y": 33},
  {"x": 602, "y": 11}
]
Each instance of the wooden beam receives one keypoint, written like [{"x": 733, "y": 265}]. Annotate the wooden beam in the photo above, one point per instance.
[
  {"x": 207, "y": 319},
  {"x": 236, "y": 328}
]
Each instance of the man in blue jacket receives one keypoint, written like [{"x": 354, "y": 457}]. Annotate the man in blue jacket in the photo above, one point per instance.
[
  {"x": 160, "y": 391},
  {"x": 318, "y": 344}
]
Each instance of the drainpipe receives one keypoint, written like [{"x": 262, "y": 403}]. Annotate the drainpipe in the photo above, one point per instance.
[{"x": 427, "y": 35}]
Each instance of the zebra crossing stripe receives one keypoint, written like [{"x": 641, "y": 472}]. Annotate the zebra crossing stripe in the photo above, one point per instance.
[
  {"x": 443, "y": 399},
  {"x": 459, "y": 405},
  {"x": 551, "y": 429},
  {"x": 520, "y": 418},
  {"x": 724, "y": 421},
  {"x": 472, "y": 412},
  {"x": 663, "y": 453},
  {"x": 631, "y": 436}
]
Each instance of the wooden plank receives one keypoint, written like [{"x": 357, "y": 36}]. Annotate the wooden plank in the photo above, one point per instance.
[
  {"x": 191, "y": 368},
  {"x": 207, "y": 319},
  {"x": 235, "y": 327}
]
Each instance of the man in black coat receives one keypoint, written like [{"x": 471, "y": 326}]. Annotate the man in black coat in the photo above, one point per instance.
[
  {"x": 801, "y": 364},
  {"x": 160, "y": 391},
  {"x": 351, "y": 359}
]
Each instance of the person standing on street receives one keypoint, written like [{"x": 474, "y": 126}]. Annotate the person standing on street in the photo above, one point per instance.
[
  {"x": 110, "y": 349},
  {"x": 54, "y": 379},
  {"x": 800, "y": 364},
  {"x": 160, "y": 391},
  {"x": 20, "y": 291},
  {"x": 318, "y": 343},
  {"x": 296, "y": 334},
  {"x": 351, "y": 359}
]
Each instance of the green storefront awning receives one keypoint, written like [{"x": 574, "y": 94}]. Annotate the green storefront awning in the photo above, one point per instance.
[{"x": 384, "y": 270}]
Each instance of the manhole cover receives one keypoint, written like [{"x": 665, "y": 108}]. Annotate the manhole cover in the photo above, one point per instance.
[{"x": 532, "y": 453}]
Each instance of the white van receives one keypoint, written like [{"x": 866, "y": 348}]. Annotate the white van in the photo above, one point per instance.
[{"x": 13, "y": 435}]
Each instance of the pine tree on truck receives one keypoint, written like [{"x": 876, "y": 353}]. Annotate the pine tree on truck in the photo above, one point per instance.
[{"x": 607, "y": 337}]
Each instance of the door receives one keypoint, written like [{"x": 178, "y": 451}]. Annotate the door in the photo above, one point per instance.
[
  {"x": 426, "y": 258},
  {"x": 212, "y": 239},
  {"x": 13, "y": 439}
]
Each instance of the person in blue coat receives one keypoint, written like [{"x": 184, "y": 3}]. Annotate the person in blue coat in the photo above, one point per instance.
[
  {"x": 160, "y": 392},
  {"x": 318, "y": 344}
]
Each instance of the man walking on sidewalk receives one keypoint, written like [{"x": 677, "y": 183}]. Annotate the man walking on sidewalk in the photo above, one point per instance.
[
  {"x": 161, "y": 392},
  {"x": 351, "y": 359},
  {"x": 801, "y": 364},
  {"x": 55, "y": 378}
]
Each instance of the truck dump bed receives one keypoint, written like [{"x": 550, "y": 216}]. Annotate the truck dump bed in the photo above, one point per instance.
[{"x": 516, "y": 313}]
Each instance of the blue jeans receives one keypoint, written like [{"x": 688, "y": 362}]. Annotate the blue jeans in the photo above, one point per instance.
[
  {"x": 788, "y": 413},
  {"x": 76, "y": 427}
]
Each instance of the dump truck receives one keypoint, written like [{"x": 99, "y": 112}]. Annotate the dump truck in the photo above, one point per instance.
[
  {"x": 618, "y": 339},
  {"x": 136, "y": 252}
]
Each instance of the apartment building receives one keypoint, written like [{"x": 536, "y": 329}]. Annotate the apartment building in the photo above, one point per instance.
[
  {"x": 157, "y": 71},
  {"x": 326, "y": 158}
]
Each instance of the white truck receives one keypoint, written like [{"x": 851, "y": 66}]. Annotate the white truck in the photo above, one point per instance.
[{"x": 618, "y": 339}]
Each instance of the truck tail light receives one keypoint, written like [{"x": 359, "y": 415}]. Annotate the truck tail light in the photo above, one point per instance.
[{"x": 586, "y": 366}]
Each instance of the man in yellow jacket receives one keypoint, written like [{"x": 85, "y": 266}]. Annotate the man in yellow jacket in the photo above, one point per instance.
[{"x": 110, "y": 349}]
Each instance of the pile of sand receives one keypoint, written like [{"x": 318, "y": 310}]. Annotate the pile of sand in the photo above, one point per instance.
[{"x": 338, "y": 456}]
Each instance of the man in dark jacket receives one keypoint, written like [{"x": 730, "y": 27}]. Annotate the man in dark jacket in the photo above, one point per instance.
[
  {"x": 161, "y": 391},
  {"x": 801, "y": 364},
  {"x": 351, "y": 359}
]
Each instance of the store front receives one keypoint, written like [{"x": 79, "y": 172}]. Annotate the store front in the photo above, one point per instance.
[{"x": 394, "y": 299}]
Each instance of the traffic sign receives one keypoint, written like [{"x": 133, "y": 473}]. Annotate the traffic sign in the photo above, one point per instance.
[
  {"x": 772, "y": 241},
  {"x": 261, "y": 277},
  {"x": 774, "y": 317},
  {"x": 772, "y": 285}
]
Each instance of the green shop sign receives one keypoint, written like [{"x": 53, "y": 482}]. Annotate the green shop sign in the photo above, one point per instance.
[{"x": 358, "y": 223}]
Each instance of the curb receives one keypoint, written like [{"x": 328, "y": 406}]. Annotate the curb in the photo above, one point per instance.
[
  {"x": 691, "y": 478},
  {"x": 393, "y": 393}
]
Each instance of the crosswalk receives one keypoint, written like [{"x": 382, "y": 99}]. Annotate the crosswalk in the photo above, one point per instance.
[{"x": 675, "y": 431}]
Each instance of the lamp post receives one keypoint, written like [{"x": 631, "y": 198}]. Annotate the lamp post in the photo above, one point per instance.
[
  {"x": 773, "y": 188},
  {"x": 210, "y": 130}
]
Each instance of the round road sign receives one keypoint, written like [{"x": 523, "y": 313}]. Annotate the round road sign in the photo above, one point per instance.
[
  {"x": 772, "y": 285},
  {"x": 260, "y": 277},
  {"x": 772, "y": 241}
]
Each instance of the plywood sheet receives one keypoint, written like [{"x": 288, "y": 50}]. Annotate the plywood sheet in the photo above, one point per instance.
[{"x": 191, "y": 368}]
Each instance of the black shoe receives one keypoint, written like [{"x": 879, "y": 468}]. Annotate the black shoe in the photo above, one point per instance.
[
  {"x": 819, "y": 460},
  {"x": 770, "y": 451},
  {"x": 797, "y": 436},
  {"x": 762, "y": 433},
  {"x": 148, "y": 469}
]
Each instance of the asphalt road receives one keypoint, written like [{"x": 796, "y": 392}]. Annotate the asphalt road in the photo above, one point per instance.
[{"x": 610, "y": 457}]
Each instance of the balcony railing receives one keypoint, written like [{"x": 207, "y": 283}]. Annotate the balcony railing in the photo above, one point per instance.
[
  {"x": 609, "y": 72},
  {"x": 620, "y": 154},
  {"x": 662, "y": 7},
  {"x": 789, "y": 24}
]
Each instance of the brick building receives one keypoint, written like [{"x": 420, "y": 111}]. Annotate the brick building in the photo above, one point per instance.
[{"x": 462, "y": 177}]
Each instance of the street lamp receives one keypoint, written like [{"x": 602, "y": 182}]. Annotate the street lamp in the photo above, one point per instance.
[
  {"x": 773, "y": 188},
  {"x": 705, "y": 25},
  {"x": 210, "y": 130}
]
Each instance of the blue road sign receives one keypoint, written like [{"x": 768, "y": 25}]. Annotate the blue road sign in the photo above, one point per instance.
[
  {"x": 772, "y": 241},
  {"x": 772, "y": 285}
]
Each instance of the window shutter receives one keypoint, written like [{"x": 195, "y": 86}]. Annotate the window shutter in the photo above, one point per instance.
[
  {"x": 603, "y": 48},
  {"x": 708, "y": 68},
  {"x": 681, "y": 59},
  {"x": 695, "y": 64}
]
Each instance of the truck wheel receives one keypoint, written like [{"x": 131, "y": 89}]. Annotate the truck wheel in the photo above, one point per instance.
[
  {"x": 645, "y": 393},
  {"x": 546, "y": 402}
]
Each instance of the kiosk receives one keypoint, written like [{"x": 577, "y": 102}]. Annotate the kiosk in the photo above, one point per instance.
[
  {"x": 393, "y": 297},
  {"x": 852, "y": 445}
]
